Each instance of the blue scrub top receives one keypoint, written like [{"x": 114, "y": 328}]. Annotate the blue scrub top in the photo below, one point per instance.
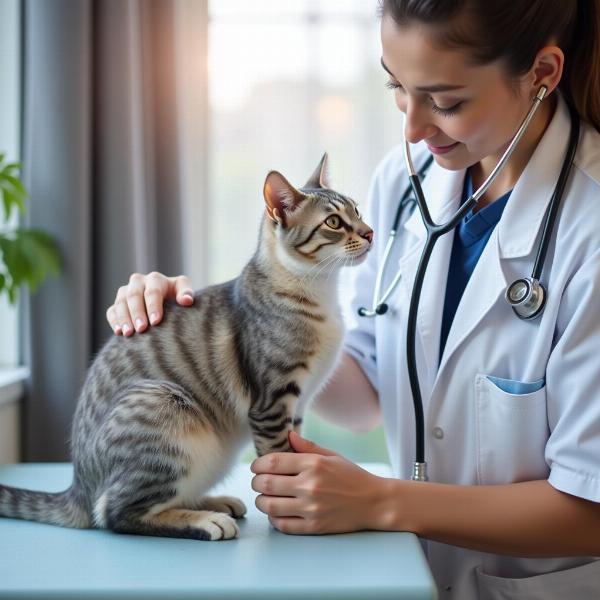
[{"x": 470, "y": 237}]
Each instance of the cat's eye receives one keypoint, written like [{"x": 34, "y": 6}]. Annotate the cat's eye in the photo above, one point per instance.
[
  {"x": 357, "y": 213},
  {"x": 333, "y": 221}
]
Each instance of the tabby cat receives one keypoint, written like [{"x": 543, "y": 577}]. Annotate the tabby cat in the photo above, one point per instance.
[{"x": 162, "y": 416}]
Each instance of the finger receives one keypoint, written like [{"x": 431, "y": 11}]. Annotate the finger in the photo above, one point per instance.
[
  {"x": 280, "y": 463},
  {"x": 274, "y": 485},
  {"x": 111, "y": 317},
  {"x": 155, "y": 293},
  {"x": 290, "y": 525},
  {"x": 184, "y": 293},
  {"x": 275, "y": 506},
  {"x": 122, "y": 312},
  {"x": 136, "y": 303},
  {"x": 300, "y": 444}
]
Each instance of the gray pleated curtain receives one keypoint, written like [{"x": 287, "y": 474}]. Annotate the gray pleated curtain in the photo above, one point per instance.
[{"x": 102, "y": 162}]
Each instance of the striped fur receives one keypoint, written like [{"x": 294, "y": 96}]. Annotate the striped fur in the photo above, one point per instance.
[{"x": 162, "y": 416}]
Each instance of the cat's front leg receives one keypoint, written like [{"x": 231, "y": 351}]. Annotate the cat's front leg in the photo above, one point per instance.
[
  {"x": 297, "y": 424},
  {"x": 272, "y": 417},
  {"x": 270, "y": 427},
  {"x": 270, "y": 437}
]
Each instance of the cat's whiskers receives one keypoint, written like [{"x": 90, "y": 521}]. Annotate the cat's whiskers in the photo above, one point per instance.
[
  {"x": 338, "y": 260},
  {"x": 331, "y": 263},
  {"x": 309, "y": 277}
]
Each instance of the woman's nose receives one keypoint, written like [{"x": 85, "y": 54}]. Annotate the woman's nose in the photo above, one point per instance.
[{"x": 417, "y": 126}]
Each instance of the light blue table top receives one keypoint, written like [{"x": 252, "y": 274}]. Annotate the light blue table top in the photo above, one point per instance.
[{"x": 44, "y": 561}]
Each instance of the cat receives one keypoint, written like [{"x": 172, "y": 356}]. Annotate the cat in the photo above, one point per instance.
[{"x": 162, "y": 416}]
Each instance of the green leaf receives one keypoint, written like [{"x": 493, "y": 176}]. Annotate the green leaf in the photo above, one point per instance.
[
  {"x": 30, "y": 256},
  {"x": 16, "y": 184},
  {"x": 27, "y": 256},
  {"x": 7, "y": 206},
  {"x": 17, "y": 264},
  {"x": 15, "y": 166},
  {"x": 12, "y": 291},
  {"x": 41, "y": 250},
  {"x": 12, "y": 190},
  {"x": 10, "y": 199}
]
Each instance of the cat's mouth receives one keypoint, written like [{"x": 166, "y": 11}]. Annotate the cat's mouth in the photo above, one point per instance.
[{"x": 359, "y": 255}]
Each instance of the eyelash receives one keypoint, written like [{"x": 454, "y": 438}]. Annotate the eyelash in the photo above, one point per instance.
[{"x": 445, "y": 112}]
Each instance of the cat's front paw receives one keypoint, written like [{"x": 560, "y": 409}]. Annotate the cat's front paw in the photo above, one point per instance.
[
  {"x": 229, "y": 505},
  {"x": 218, "y": 526}
]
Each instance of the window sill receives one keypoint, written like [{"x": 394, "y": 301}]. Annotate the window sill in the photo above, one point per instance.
[{"x": 11, "y": 384}]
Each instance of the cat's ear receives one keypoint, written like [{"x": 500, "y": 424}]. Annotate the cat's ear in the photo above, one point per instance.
[
  {"x": 320, "y": 178},
  {"x": 281, "y": 198}
]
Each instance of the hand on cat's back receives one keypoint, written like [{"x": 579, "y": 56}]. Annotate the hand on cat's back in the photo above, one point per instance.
[{"x": 140, "y": 303}]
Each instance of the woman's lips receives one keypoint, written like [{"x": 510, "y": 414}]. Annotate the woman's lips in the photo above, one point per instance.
[{"x": 442, "y": 149}]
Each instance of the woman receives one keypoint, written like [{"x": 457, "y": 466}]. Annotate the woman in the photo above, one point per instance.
[{"x": 512, "y": 413}]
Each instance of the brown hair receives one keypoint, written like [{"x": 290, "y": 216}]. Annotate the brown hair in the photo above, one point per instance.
[{"x": 513, "y": 31}]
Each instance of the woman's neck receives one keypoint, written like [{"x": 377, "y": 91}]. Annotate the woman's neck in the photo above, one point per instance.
[{"x": 508, "y": 177}]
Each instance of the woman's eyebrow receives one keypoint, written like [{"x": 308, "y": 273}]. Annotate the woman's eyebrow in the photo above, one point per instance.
[
  {"x": 440, "y": 87},
  {"x": 386, "y": 69}
]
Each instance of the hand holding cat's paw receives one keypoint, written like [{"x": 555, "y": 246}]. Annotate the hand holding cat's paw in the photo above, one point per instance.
[{"x": 316, "y": 491}]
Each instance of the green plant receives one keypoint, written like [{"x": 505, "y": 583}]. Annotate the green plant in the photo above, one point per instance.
[{"x": 27, "y": 256}]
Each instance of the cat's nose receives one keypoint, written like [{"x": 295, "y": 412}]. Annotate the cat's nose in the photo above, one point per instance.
[{"x": 367, "y": 234}]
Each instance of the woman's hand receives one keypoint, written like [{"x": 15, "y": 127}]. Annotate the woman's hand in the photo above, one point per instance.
[
  {"x": 316, "y": 491},
  {"x": 141, "y": 301}
]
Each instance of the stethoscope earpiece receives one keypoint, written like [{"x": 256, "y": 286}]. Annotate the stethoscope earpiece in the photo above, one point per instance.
[{"x": 527, "y": 297}]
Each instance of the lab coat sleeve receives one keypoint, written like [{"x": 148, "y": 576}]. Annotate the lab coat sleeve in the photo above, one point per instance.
[{"x": 573, "y": 387}]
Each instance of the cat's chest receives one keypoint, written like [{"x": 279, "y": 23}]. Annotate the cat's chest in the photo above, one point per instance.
[
  {"x": 330, "y": 336},
  {"x": 209, "y": 456}
]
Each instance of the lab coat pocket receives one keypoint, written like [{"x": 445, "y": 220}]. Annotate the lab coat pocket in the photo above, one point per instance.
[
  {"x": 582, "y": 583},
  {"x": 512, "y": 431}
]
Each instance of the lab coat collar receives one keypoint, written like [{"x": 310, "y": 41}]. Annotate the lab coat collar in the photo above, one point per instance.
[{"x": 524, "y": 214}]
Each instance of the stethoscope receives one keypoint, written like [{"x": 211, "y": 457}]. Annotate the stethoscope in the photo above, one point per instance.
[{"x": 527, "y": 295}]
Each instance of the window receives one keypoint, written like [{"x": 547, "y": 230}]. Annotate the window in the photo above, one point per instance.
[
  {"x": 288, "y": 81},
  {"x": 10, "y": 111}
]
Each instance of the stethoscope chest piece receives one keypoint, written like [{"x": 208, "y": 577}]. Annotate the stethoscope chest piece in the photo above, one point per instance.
[{"x": 527, "y": 297}]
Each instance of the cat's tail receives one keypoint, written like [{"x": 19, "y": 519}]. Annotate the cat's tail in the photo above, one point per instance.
[{"x": 66, "y": 509}]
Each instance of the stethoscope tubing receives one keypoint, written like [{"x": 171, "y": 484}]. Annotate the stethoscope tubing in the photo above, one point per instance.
[
  {"x": 379, "y": 302},
  {"x": 434, "y": 232},
  {"x": 540, "y": 258}
]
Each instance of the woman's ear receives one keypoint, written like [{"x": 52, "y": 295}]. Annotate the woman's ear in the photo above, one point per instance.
[
  {"x": 547, "y": 68},
  {"x": 281, "y": 198}
]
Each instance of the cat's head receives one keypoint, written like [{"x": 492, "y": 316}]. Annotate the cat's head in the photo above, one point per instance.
[{"x": 315, "y": 225}]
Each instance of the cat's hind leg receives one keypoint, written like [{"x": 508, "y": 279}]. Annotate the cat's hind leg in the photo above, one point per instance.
[
  {"x": 157, "y": 451},
  {"x": 178, "y": 523}
]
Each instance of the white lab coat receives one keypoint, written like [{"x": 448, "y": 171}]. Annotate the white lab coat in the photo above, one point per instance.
[{"x": 476, "y": 433}]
